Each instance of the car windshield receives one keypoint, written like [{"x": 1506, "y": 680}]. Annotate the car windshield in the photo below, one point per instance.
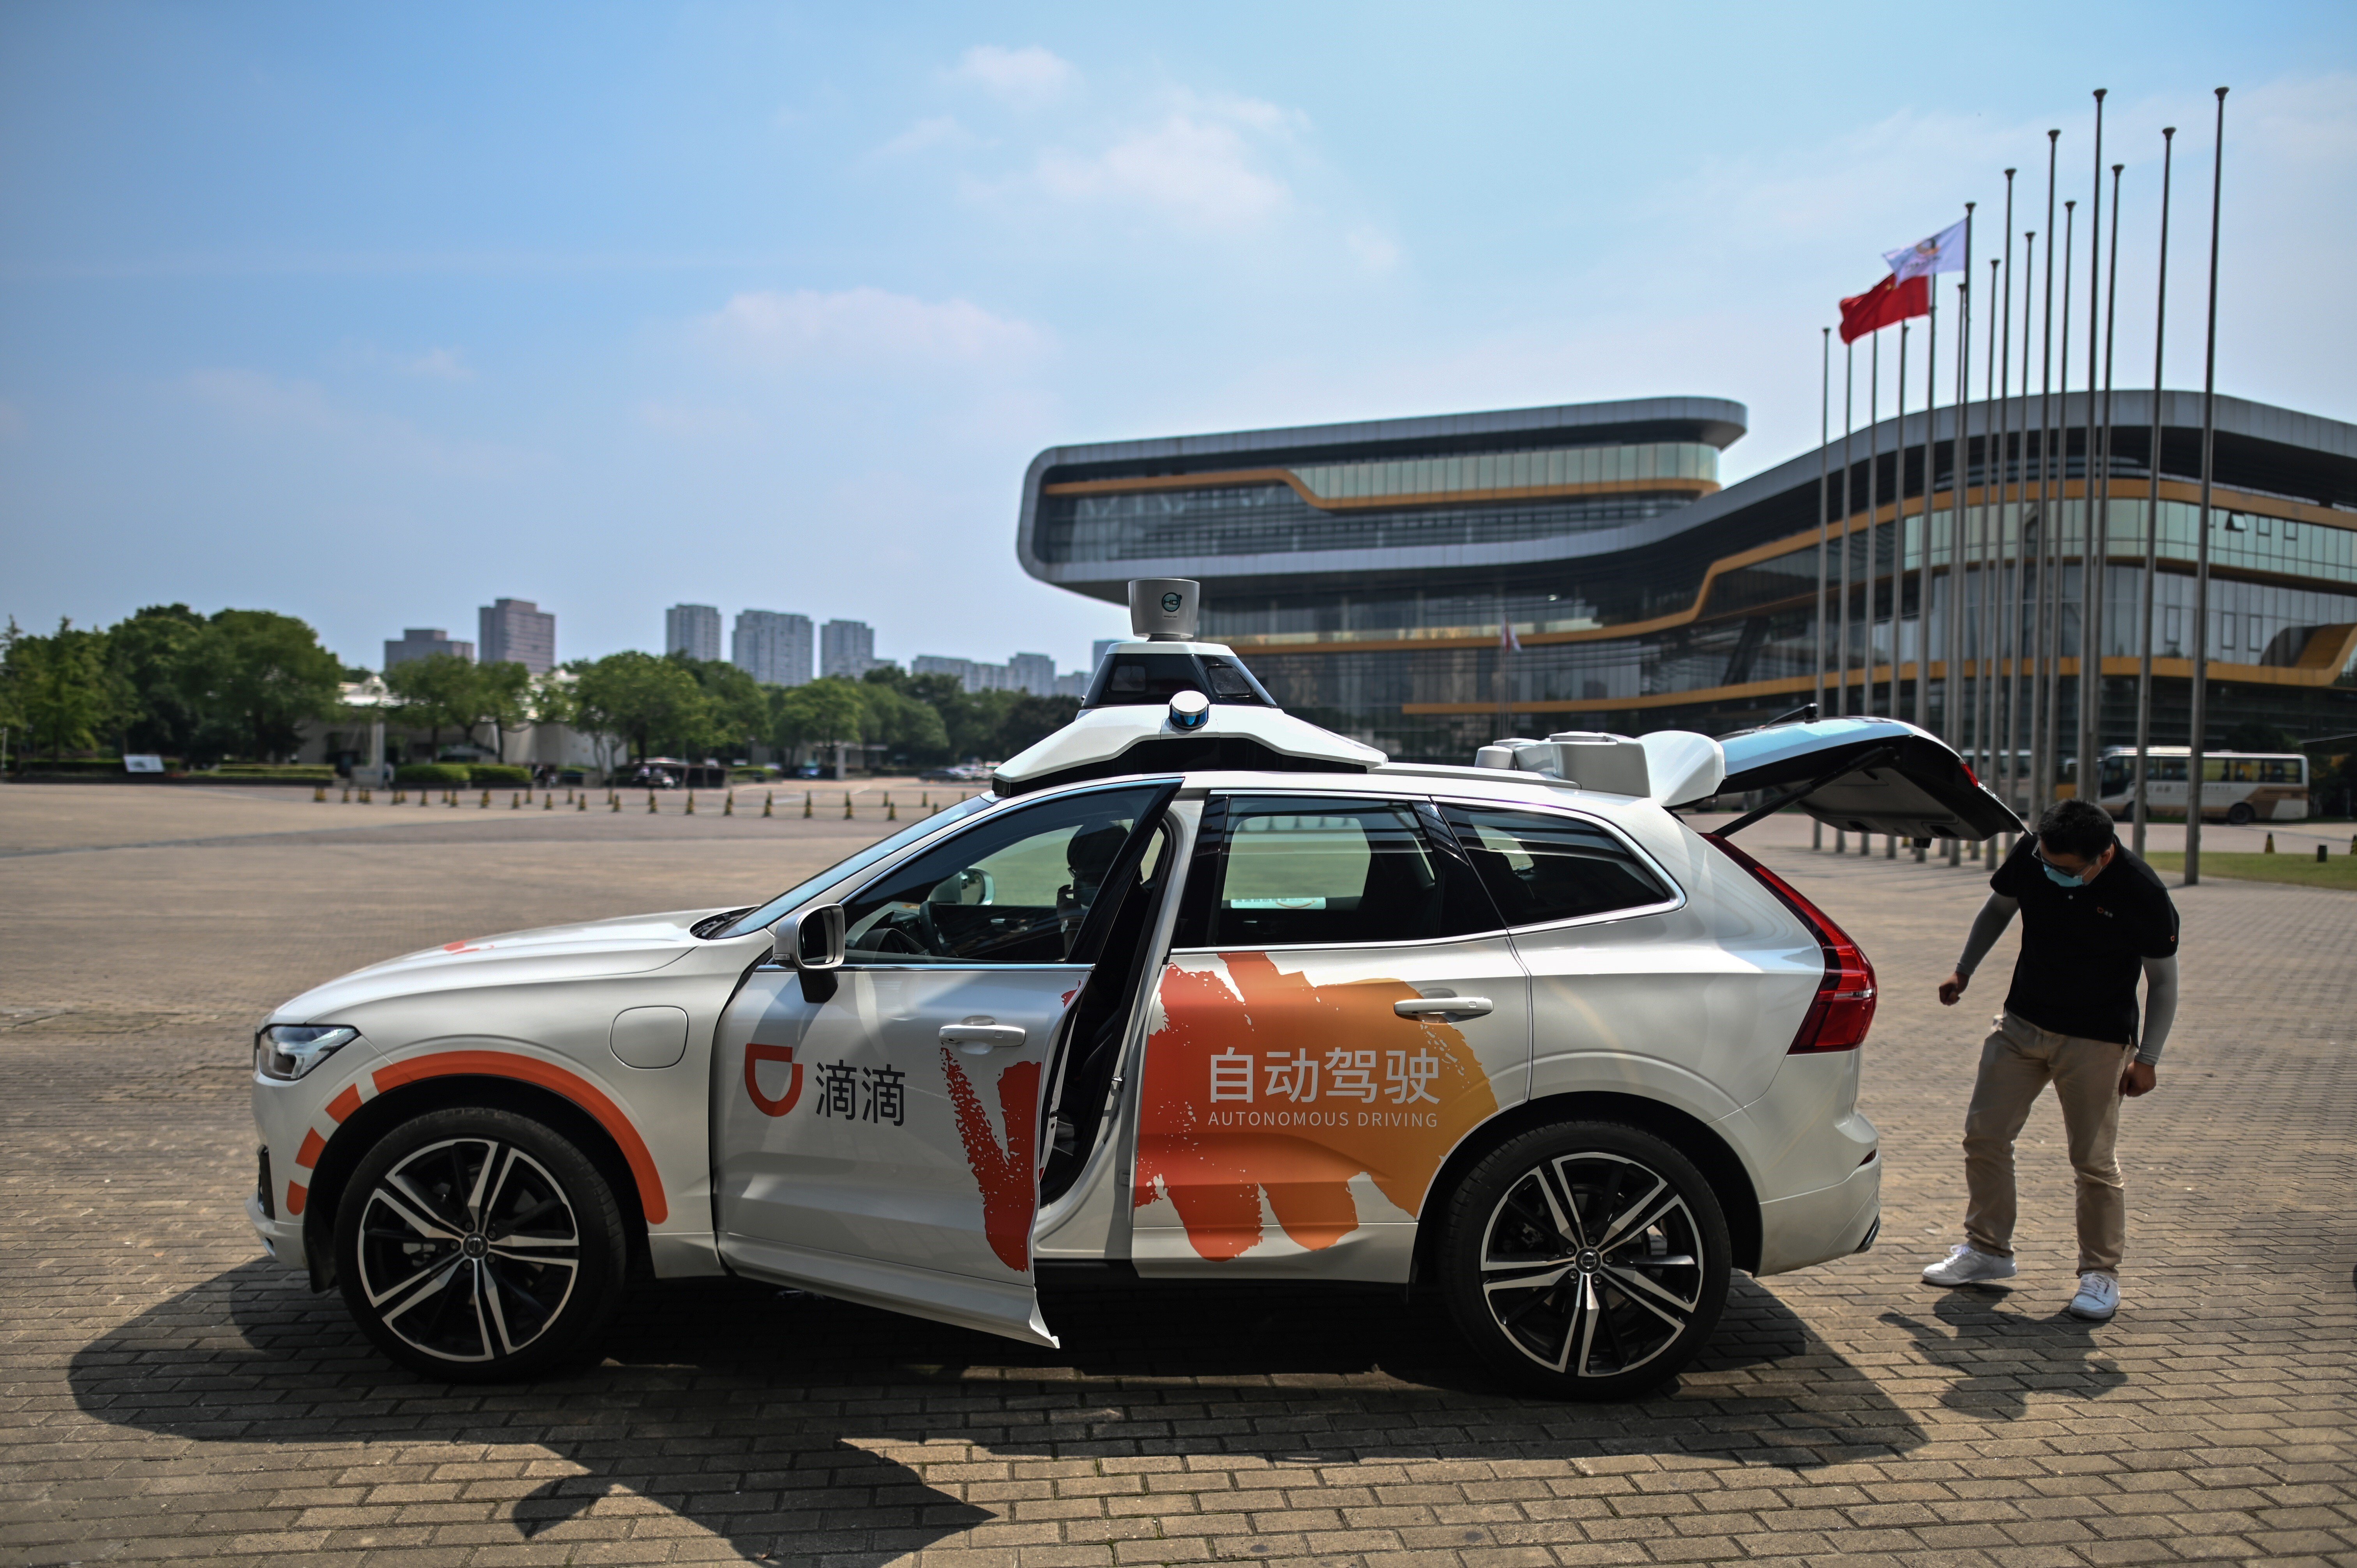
[{"x": 755, "y": 919}]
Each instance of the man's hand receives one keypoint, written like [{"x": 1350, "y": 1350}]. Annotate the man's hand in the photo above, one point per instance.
[
  {"x": 1951, "y": 988},
  {"x": 2138, "y": 1078}
]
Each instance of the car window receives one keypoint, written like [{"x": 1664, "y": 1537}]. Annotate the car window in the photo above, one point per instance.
[
  {"x": 883, "y": 849},
  {"x": 1541, "y": 867},
  {"x": 1337, "y": 872},
  {"x": 1013, "y": 889}
]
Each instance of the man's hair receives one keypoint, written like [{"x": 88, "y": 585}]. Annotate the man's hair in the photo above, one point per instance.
[{"x": 2074, "y": 827}]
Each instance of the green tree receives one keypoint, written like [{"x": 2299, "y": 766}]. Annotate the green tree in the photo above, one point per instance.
[
  {"x": 434, "y": 693},
  {"x": 825, "y": 711},
  {"x": 151, "y": 651},
  {"x": 737, "y": 706},
  {"x": 1030, "y": 720},
  {"x": 257, "y": 677},
  {"x": 62, "y": 689},
  {"x": 499, "y": 699},
  {"x": 636, "y": 698}
]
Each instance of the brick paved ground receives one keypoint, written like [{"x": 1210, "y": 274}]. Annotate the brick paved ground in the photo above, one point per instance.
[{"x": 168, "y": 1396}]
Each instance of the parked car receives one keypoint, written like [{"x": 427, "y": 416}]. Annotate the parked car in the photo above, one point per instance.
[{"x": 1197, "y": 991}]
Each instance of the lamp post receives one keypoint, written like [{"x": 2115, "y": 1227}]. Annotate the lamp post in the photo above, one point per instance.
[
  {"x": 2197, "y": 742},
  {"x": 2152, "y": 506}
]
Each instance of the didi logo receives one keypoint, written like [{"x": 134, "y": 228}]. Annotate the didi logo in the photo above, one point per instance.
[{"x": 755, "y": 1053}]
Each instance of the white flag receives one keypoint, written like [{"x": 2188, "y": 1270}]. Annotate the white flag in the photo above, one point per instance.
[{"x": 1943, "y": 252}]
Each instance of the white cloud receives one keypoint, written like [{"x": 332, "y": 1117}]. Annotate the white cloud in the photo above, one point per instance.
[
  {"x": 1376, "y": 250},
  {"x": 1206, "y": 162},
  {"x": 268, "y": 406},
  {"x": 441, "y": 365},
  {"x": 860, "y": 325},
  {"x": 938, "y": 131},
  {"x": 1023, "y": 77}
]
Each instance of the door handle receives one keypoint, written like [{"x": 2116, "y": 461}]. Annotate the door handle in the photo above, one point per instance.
[
  {"x": 980, "y": 1039},
  {"x": 1442, "y": 1007}
]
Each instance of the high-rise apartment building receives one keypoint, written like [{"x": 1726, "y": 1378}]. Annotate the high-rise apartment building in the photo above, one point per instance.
[
  {"x": 518, "y": 631},
  {"x": 693, "y": 629},
  {"x": 772, "y": 647},
  {"x": 846, "y": 647},
  {"x": 1032, "y": 672},
  {"x": 422, "y": 641}
]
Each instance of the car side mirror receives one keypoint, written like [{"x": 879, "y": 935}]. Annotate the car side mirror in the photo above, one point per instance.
[{"x": 812, "y": 941}]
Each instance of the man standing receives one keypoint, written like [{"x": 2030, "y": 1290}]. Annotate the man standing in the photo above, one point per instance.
[{"x": 2091, "y": 916}]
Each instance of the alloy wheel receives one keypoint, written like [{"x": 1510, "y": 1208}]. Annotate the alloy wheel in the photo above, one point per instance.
[
  {"x": 468, "y": 1249},
  {"x": 1592, "y": 1265}
]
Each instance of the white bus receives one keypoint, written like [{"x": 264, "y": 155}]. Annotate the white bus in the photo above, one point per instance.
[{"x": 2236, "y": 786}]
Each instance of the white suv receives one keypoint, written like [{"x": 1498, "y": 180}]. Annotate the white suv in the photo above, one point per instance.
[{"x": 1199, "y": 991}]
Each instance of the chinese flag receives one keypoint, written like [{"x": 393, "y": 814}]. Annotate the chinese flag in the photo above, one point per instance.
[{"x": 1885, "y": 303}]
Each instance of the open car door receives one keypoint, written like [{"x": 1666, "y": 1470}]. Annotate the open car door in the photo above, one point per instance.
[
  {"x": 876, "y": 1127},
  {"x": 1864, "y": 775}
]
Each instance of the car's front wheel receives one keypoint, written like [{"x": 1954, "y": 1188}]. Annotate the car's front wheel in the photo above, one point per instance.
[
  {"x": 477, "y": 1244},
  {"x": 1586, "y": 1259}
]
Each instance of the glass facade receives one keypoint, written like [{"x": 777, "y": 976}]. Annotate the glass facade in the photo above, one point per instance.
[{"x": 1626, "y": 464}]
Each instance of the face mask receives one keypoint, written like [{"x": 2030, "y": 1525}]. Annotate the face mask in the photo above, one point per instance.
[{"x": 2057, "y": 878}]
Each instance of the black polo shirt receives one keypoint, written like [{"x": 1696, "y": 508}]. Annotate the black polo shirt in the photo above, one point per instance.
[{"x": 2083, "y": 948}]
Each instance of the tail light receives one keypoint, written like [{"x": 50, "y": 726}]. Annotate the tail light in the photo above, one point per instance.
[{"x": 1842, "y": 1009}]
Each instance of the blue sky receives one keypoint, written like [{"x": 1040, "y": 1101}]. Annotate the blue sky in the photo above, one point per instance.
[{"x": 372, "y": 316}]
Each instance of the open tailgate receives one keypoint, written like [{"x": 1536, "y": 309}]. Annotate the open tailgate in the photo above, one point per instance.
[{"x": 1869, "y": 776}]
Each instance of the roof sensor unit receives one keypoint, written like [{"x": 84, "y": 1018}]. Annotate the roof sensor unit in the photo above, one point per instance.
[{"x": 1164, "y": 609}]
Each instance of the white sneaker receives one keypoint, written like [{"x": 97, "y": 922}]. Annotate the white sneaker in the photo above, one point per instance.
[
  {"x": 2098, "y": 1297},
  {"x": 1965, "y": 1264}
]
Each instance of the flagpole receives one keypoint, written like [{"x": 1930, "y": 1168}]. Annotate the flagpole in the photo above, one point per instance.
[
  {"x": 1993, "y": 494},
  {"x": 1951, "y": 691},
  {"x": 1923, "y": 519},
  {"x": 2018, "y": 599},
  {"x": 2198, "y": 743},
  {"x": 2059, "y": 599},
  {"x": 2093, "y": 660},
  {"x": 2152, "y": 503},
  {"x": 1841, "y": 694},
  {"x": 1898, "y": 517},
  {"x": 1991, "y": 518},
  {"x": 2090, "y": 684},
  {"x": 1873, "y": 498},
  {"x": 2041, "y": 761},
  {"x": 1824, "y": 439}
]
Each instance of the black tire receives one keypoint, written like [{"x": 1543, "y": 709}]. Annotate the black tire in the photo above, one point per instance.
[
  {"x": 2240, "y": 815},
  {"x": 477, "y": 1245},
  {"x": 1585, "y": 1259}
]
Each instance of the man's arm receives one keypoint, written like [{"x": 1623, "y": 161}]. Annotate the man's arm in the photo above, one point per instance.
[
  {"x": 2159, "y": 1012},
  {"x": 1987, "y": 926}
]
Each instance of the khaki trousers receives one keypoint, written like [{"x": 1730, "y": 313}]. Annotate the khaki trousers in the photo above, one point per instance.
[{"x": 2018, "y": 1060}]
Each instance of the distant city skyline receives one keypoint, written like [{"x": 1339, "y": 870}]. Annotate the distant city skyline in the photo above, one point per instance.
[
  {"x": 693, "y": 629},
  {"x": 517, "y": 631},
  {"x": 773, "y": 647}
]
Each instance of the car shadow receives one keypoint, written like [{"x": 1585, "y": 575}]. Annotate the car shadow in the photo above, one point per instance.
[
  {"x": 768, "y": 1416},
  {"x": 2002, "y": 1356}
]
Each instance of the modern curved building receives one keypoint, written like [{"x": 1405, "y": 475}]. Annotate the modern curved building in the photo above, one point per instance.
[{"x": 1370, "y": 571}]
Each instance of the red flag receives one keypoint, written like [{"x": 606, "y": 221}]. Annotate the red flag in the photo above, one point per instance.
[{"x": 1885, "y": 304}]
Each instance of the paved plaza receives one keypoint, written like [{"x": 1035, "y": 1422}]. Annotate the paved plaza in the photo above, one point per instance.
[{"x": 169, "y": 1395}]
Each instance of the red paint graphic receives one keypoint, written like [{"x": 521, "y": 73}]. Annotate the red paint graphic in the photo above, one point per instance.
[
  {"x": 342, "y": 1106},
  {"x": 1214, "y": 1160},
  {"x": 756, "y": 1052},
  {"x": 314, "y": 1145},
  {"x": 1007, "y": 1177}
]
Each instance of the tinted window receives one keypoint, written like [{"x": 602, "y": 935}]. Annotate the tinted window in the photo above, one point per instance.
[
  {"x": 1541, "y": 868},
  {"x": 1334, "y": 873},
  {"x": 1013, "y": 889}
]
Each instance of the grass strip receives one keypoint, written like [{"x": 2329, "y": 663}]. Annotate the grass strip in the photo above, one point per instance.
[{"x": 2300, "y": 870}]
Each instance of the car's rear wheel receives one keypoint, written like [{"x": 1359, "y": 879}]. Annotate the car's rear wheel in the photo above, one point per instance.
[
  {"x": 477, "y": 1244},
  {"x": 1587, "y": 1259}
]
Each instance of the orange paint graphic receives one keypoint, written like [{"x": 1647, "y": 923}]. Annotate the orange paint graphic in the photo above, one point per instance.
[
  {"x": 754, "y": 1053},
  {"x": 1261, "y": 1083},
  {"x": 1008, "y": 1177}
]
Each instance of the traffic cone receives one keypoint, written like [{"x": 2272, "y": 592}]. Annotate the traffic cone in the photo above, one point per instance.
[
  {"x": 348, "y": 795},
  {"x": 548, "y": 801},
  {"x": 515, "y": 801},
  {"x": 487, "y": 802},
  {"x": 691, "y": 804},
  {"x": 615, "y": 800},
  {"x": 924, "y": 802},
  {"x": 425, "y": 798},
  {"x": 891, "y": 812},
  {"x": 318, "y": 794},
  {"x": 651, "y": 803},
  {"x": 728, "y": 804},
  {"x": 581, "y": 802},
  {"x": 847, "y": 805},
  {"x": 2271, "y": 846},
  {"x": 453, "y": 800},
  {"x": 769, "y": 799},
  {"x": 807, "y": 793}
]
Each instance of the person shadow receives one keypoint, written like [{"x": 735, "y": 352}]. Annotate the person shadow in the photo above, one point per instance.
[
  {"x": 2002, "y": 1356},
  {"x": 780, "y": 1420}
]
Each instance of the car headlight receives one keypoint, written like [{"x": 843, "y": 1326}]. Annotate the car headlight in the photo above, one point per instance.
[{"x": 287, "y": 1051}]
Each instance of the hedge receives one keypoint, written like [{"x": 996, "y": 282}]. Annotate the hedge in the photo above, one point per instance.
[
  {"x": 503, "y": 775},
  {"x": 448, "y": 775}
]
